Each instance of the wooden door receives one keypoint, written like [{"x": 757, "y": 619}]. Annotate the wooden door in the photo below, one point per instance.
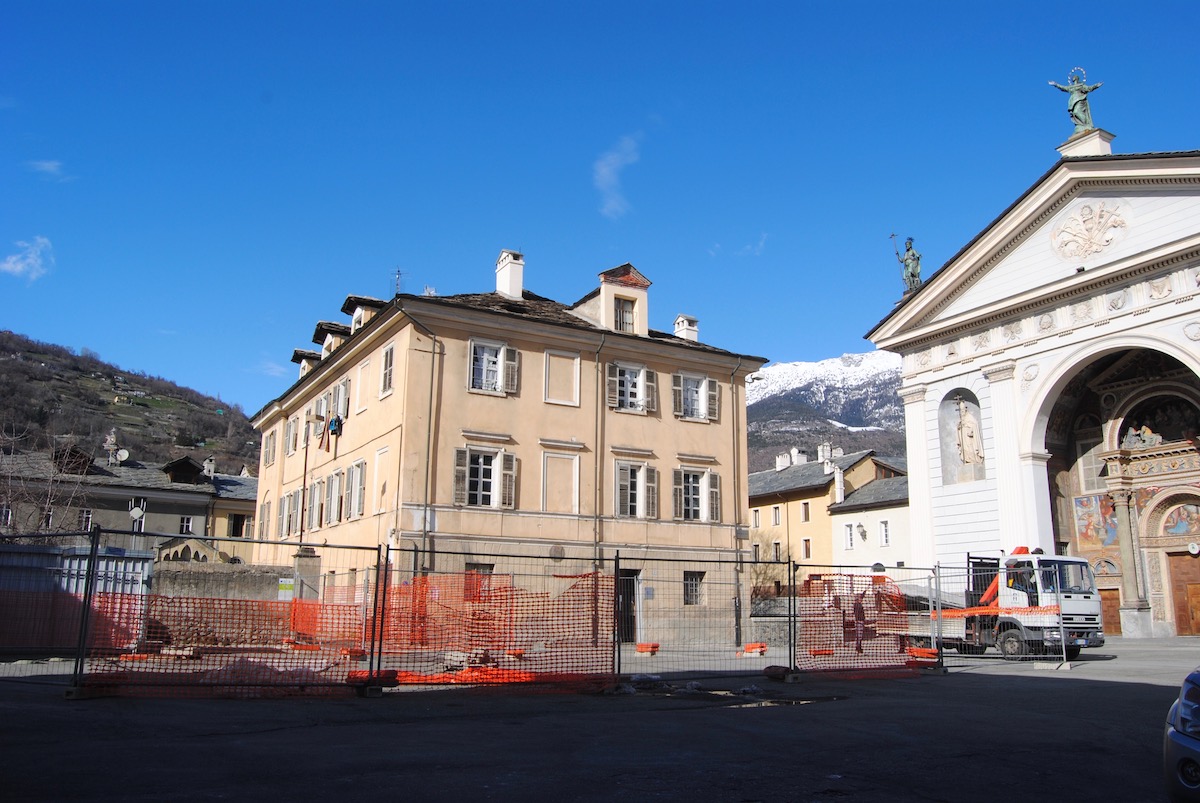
[
  {"x": 1185, "y": 593},
  {"x": 1110, "y": 606}
]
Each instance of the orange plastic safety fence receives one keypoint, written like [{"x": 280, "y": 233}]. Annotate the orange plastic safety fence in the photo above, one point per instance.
[
  {"x": 854, "y": 622},
  {"x": 470, "y": 628}
]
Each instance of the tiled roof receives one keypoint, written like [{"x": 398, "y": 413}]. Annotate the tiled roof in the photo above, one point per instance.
[
  {"x": 889, "y": 492},
  {"x": 802, "y": 476},
  {"x": 533, "y": 307},
  {"x": 353, "y": 302},
  {"x": 37, "y": 466}
]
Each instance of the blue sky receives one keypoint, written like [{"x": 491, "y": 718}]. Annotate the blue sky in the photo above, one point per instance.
[{"x": 189, "y": 187}]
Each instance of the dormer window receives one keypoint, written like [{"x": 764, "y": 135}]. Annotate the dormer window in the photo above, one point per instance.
[{"x": 623, "y": 315}]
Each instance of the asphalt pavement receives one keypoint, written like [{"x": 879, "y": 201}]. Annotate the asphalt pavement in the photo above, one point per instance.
[{"x": 984, "y": 730}]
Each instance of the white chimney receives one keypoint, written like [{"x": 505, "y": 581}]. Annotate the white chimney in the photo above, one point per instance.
[
  {"x": 782, "y": 461},
  {"x": 687, "y": 327},
  {"x": 839, "y": 484},
  {"x": 839, "y": 451},
  {"x": 825, "y": 451},
  {"x": 798, "y": 457},
  {"x": 210, "y": 466},
  {"x": 510, "y": 274}
]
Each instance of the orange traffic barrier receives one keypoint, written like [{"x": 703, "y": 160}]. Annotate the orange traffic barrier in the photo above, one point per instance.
[
  {"x": 820, "y": 652},
  {"x": 755, "y": 648},
  {"x": 650, "y": 647}
]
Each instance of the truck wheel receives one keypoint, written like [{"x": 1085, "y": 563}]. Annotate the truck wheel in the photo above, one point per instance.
[
  {"x": 1011, "y": 645},
  {"x": 1072, "y": 653},
  {"x": 972, "y": 649}
]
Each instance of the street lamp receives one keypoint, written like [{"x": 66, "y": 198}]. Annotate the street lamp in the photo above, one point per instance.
[{"x": 309, "y": 419}]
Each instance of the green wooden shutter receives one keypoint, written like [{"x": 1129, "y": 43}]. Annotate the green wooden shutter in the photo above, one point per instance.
[
  {"x": 714, "y": 496},
  {"x": 508, "y": 480},
  {"x": 651, "y": 492},
  {"x": 460, "y": 476},
  {"x": 714, "y": 399},
  {"x": 512, "y": 369},
  {"x": 677, "y": 394}
]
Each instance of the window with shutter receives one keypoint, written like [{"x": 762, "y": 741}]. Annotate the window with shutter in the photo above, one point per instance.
[{"x": 631, "y": 387}]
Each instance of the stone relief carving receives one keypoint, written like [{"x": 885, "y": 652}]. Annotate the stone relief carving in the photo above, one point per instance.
[
  {"x": 1118, "y": 300},
  {"x": 951, "y": 351},
  {"x": 1012, "y": 331},
  {"x": 1028, "y": 375},
  {"x": 1082, "y": 312},
  {"x": 1046, "y": 323},
  {"x": 1195, "y": 274},
  {"x": 1192, "y": 330},
  {"x": 1088, "y": 230},
  {"x": 924, "y": 358},
  {"x": 1160, "y": 288},
  {"x": 981, "y": 341}
]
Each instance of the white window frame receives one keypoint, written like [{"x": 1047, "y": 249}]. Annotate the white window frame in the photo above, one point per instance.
[
  {"x": 755, "y": 552},
  {"x": 705, "y": 407},
  {"x": 507, "y": 367},
  {"x": 755, "y": 518},
  {"x": 574, "y": 357},
  {"x": 312, "y": 509},
  {"x": 185, "y": 526},
  {"x": 804, "y": 511},
  {"x": 631, "y": 388},
  {"x": 268, "y": 448},
  {"x": 334, "y": 497},
  {"x": 85, "y": 519},
  {"x": 806, "y": 548},
  {"x": 356, "y": 322},
  {"x": 6, "y": 514},
  {"x": 777, "y": 551},
  {"x": 706, "y": 508},
  {"x": 501, "y": 478},
  {"x": 693, "y": 588},
  {"x": 291, "y": 435},
  {"x": 636, "y": 490},
  {"x": 356, "y": 489},
  {"x": 624, "y": 315},
  {"x": 387, "y": 368},
  {"x": 885, "y": 533},
  {"x": 264, "y": 519},
  {"x": 776, "y": 515}
]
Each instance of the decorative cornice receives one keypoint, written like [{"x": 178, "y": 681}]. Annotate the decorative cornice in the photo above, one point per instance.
[
  {"x": 557, "y": 444},
  {"x": 1055, "y": 301},
  {"x": 1000, "y": 373},
  {"x": 490, "y": 437},
  {"x": 631, "y": 451},
  {"x": 684, "y": 457},
  {"x": 913, "y": 394}
]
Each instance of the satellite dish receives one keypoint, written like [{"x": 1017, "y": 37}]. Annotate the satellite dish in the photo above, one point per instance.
[
  {"x": 136, "y": 513},
  {"x": 122, "y": 455},
  {"x": 1194, "y": 548}
]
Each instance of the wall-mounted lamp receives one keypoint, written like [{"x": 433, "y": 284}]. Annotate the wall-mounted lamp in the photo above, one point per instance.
[{"x": 862, "y": 532}]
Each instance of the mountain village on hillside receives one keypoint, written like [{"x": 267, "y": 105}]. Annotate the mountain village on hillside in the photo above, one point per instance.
[{"x": 500, "y": 445}]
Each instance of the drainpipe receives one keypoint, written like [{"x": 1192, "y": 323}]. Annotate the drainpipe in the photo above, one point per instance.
[
  {"x": 601, "y": 392},
  {"x": 737, "y": 508},
  {"x": 433, "y": 353}
]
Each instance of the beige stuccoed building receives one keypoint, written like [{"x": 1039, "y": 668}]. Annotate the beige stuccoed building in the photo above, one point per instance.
[
  {"x": 1050, "y": 383},
  {"x": 456, "y": 430}
]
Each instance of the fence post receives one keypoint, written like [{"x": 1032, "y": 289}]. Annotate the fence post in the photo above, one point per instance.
[
  {"x": 793, "y": 625},
  {"x": 616, "y": 602},
  {"x": 383, "y": 560},
  {"x": 85, "y": 615},
  {"x": 935, "y": 633},
  {"x": 1062, "y": 629}
]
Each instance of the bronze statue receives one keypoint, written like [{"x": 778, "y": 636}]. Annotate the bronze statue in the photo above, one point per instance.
[
  {"x": 1077, "y": 103},
  {"x": 911, "y": 273}
]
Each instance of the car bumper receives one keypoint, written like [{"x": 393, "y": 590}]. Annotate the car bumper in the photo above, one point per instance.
[{"x": 1181, "y": 764}]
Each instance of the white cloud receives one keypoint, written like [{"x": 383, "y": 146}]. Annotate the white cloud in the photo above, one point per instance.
[
  {"x": 273, "y": 369},
  {"x": 34, "y": 259},
  {"x": 755, "y": 249},
  {"x": 606, "y": 175},
  {"x": 51, "y": 169}
]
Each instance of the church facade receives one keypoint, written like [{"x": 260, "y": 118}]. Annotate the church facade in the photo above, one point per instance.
[{"x": 1050, "y": 383}]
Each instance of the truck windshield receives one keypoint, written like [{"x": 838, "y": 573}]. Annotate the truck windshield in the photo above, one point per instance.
[{"x": 1070, "y": 578}]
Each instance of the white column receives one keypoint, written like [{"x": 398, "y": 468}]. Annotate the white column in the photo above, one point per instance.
[
  {"x": 1019, "y": 494},
  {"x": 919, "y": 440}
]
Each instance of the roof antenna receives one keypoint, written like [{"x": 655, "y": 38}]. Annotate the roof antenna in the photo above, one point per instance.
[{"x": 398, "y": 275}]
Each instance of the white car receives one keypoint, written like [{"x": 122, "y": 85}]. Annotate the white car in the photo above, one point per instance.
[{"x": 1181, "y": 742}]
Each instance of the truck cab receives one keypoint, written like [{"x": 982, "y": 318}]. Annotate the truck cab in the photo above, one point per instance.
[{"x": 1042, "y": 603}]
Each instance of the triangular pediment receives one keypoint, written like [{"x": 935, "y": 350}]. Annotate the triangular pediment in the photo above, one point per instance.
[{"x": 1083, "y": 229}]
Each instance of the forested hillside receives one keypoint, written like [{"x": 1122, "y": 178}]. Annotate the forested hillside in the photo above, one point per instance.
[{"x": 50, "y": 395}]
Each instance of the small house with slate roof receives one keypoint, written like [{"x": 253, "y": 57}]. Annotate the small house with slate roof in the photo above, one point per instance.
[
  {"x": 870, "y": 526},
  {"x": 68, "y": 491},
  {"x": 790, "y": 508},
  {"x": 504, "y": 422}
]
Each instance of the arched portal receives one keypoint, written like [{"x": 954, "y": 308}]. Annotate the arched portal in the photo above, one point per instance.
[{"x": 1120, "y": 429}]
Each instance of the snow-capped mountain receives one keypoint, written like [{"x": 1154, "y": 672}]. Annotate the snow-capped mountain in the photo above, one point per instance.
[{"x": 851, "y": 401}]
